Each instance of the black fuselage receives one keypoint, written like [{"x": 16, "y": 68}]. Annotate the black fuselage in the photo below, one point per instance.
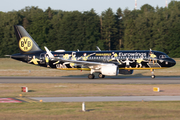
[{"x": 124, "y": 59}]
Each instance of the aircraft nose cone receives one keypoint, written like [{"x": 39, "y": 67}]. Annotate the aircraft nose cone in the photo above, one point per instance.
[{"x": 172, "y": 62}]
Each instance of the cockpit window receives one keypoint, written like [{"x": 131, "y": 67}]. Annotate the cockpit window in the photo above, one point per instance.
[{"x": 163, "y": 56}]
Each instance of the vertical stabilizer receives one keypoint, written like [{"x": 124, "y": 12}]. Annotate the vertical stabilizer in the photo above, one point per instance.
[{"x": 25, "y": 42}]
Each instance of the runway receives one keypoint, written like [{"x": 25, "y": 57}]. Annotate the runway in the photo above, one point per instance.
[
  {"x": 84, "y": 79},
  {"x": 109, "y": 98}
]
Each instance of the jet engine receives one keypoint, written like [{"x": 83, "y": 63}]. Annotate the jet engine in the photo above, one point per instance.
[{"x": 110, "y": 70}]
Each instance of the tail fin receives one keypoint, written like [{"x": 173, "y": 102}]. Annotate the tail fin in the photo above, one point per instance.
[{"x": 25, "y": 41}]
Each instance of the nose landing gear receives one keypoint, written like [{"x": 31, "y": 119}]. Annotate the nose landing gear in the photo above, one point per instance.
[
  {"x": 153, "y": 76},
  {"x": 152, "y": 72}
]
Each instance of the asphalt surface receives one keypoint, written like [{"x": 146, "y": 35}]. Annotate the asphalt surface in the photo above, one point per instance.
[
  {"x": 109, "y": 98},
  {"x": 107, "y": 80}
]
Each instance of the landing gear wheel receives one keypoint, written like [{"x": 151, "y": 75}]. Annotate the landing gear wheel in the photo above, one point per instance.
[
  {"x": 101, "y": 75},
  {"x": 91, "y": 76},
  {"x": 152, "y": 72},
  {"x": 153, "y": 76}
]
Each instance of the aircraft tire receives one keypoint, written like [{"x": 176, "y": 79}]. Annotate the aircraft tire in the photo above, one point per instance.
[
  {"x": 91, "y": 76},
  {"x": 153, "y": 76},
  {"x": 101, "y": 75}
]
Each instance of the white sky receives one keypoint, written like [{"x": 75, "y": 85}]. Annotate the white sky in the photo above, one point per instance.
[{"x": 81, "y": 5}]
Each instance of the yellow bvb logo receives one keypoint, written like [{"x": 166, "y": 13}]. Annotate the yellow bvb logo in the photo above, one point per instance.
[{"x": 25, "y": 44}]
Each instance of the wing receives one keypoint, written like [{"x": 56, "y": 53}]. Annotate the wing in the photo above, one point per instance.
[{"x": 85, "y": 63}]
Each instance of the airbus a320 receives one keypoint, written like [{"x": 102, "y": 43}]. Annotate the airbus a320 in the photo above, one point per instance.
[{"x": 106, "y": 63}]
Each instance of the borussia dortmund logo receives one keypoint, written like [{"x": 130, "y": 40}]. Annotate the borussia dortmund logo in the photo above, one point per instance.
[{"x": 25, "y": 44}]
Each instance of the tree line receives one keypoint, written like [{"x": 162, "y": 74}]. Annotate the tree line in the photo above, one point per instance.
[{"x": 155, "y": 28}]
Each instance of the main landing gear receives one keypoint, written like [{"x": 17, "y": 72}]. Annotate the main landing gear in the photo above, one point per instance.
[
  {"x": 152, "y": 72},
  {"x": 101, "y": 75},
  {"x": 92, "y": 76}
]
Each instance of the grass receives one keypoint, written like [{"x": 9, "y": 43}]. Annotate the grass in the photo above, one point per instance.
[
  {"x": 10, "y": 67},
  {"x": 95, "y": 111}
]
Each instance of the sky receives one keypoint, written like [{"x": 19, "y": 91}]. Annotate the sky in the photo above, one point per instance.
[{"x": 81, "y": 5}]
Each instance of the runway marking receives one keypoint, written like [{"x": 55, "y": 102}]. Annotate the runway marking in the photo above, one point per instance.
[
  {"x": 9, "y": 100},
  {"x": 25, "y": 99},
  {"x": 16, "y": 100}
]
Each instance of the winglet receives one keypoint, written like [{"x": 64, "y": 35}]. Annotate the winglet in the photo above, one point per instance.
[
  {"x": 98, "y": 48},
  {"x": 49, "y": 53}
]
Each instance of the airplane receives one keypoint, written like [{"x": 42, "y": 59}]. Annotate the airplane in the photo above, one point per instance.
[{"x": 106, "y": 63}]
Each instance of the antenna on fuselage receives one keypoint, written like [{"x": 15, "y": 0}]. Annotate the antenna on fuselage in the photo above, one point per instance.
[{"x": 98, "y": 48}]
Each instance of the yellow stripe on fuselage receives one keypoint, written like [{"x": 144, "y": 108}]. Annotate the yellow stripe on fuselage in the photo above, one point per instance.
[{"x": 142, "y": 68}]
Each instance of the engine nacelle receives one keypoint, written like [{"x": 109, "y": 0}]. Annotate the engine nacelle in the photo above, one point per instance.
[
  {"x": 125, "y": 72},
  {"x": 110, "y": 70}
]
